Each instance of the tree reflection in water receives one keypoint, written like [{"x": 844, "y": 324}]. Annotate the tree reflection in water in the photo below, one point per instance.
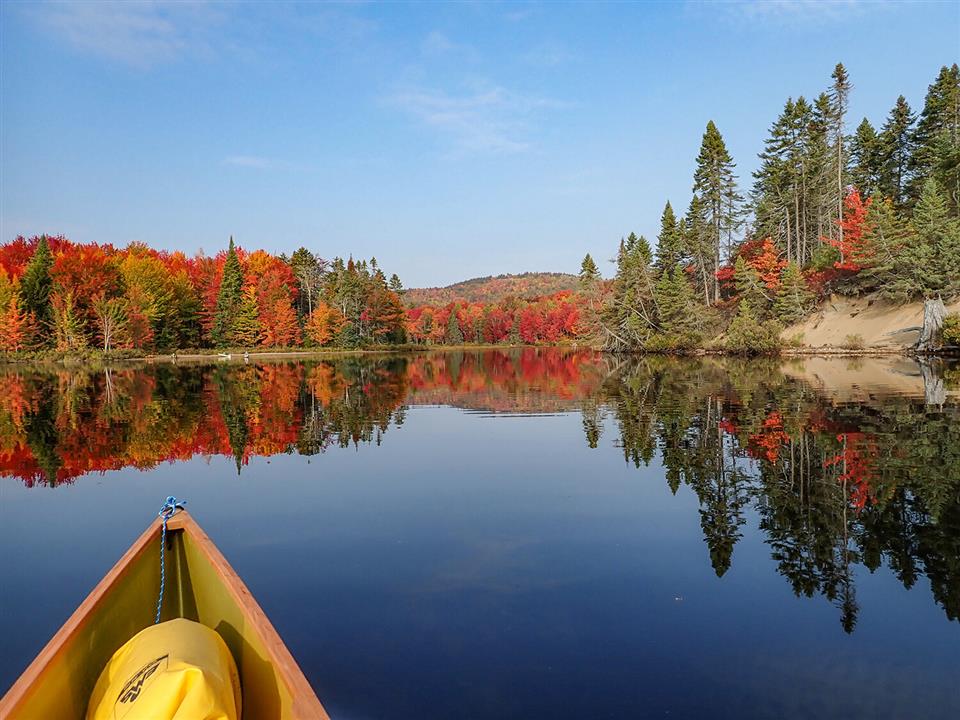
[{"x": 835, "y": 484}]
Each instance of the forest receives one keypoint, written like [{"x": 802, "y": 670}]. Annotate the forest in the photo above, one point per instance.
[
  {"x": 69, "y": 296},
  {"x": 828, "y": 212},
  {"x": 873, "y": 211}
]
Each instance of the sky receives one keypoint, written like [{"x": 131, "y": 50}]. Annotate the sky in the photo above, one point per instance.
[{"x": 448, "y": 140}]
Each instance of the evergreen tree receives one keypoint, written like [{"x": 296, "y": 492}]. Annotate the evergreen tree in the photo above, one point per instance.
[
  {"x": 794, "y": 298},
  {"x": 885, "y": 233},
  {"x": 588, "y": 271},
  {"x": 749, "y": 287},
  {"x": 794, "y": 191},
  {"x": 748, "y": 336},
  {"x": 395, "y": 285},
  {"x": 36, "y": 283},
  {"x": 934, "y": 228},
  {"x": 716, "y": 186},
  {"x": 633, "y": 316},
  {"x": 698, "y": 247},
  {"x": 245, "y": 331},
  {"x": 929, "y": 262},
  {"x": 840, "y": 99},
  {"x": 866, "y": 156},
  {"x": 453, "y": 335},
  {"x": 670, "y": 240},
  {"x": 309, "y": 273},
  {"x": 896, "y": 148},
  {"x": 676, "y": 302},
  {"x": 937, "y": 137},
  {"x": 228, "y": 299},
  {"x": 821, "y": 194}
]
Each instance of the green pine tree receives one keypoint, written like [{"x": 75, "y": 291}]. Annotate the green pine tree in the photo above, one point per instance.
[
  {"x": 749, "y": 336},
  {"x": 896, "y": 149},
  {"x": 795, "y": 195},
  {"x": 245, "y": 330},
  {"x": 670, "y": 240},
  {"x": 676, "y": 302},
  {"x": 588, "y": 271},
  {"x": 887, "y": 234},
  {"x": 839, "y": 101},
  {"x": 698, "y": 246},
  {"x": 866, "y": 157},
  {"x": 928, "y": 262},
  {"x": 935, "y": 228},
  {"x": 36, "y": 283},
  {"x": 749, "y": 287},
  {"x": 794, "y": 298},
  {"x": 309, "y": 273},
  {"x": 395, "y": 285},
  {"x": 716, "y": 186},
  {"x": 228, "y": 299},
  {"x": 632, "y": 316},
  {"x": 454, "y": 334},
  {"x": 937, "y": 137}
]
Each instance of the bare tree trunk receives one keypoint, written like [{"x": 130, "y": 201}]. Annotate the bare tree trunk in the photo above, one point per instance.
[
  {"x": 788, "y": 231},
  {"x": 931, "y": 338},
  {"x": 840, "y": 178}
]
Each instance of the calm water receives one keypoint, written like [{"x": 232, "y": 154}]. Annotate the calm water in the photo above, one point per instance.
[{"x": 524, "y": 534}]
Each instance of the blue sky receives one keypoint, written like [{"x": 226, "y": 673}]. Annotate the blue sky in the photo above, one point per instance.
[{"x": 448, "y": 140}]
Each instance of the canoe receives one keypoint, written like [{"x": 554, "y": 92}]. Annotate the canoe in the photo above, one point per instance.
[{"x": 200, "y": 586}]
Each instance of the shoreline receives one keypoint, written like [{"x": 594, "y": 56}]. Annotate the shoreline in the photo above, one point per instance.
[{"x": 259, "y": 354}]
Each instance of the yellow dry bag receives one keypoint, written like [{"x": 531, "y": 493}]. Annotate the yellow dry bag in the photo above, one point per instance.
[{"x": 177, "y": 670}]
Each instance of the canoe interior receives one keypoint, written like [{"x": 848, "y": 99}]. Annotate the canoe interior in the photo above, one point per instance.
[{"x": 200, "y": 586}]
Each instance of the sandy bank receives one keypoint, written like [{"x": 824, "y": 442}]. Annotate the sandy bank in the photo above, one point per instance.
[{"x": 881, "y": 325}]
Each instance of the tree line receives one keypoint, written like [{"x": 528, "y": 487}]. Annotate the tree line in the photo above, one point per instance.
[
  {"x": 875, "y": 211},
  {"x": 57, "y": 294}
]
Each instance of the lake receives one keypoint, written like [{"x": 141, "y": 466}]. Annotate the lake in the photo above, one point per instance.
[{"x": 523, "y": 533}]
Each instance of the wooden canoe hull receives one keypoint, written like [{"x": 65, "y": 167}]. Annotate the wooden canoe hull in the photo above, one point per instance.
[{"x": 201, "y": 586}]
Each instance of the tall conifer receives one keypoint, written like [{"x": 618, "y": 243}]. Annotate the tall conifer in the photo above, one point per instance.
[
  {"x": 716, "y": 186},
  {"x": 228, "y": 299},
  {"x": 896, "y": 148},
  {"x": 36, "y": 283}
]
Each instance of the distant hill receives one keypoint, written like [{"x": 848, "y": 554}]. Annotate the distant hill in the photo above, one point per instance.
[{"x": 493, "y": 289}]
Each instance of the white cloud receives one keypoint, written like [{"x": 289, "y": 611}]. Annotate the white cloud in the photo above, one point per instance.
[
  {"x": 490, "y": 119},
  {"x": 248, "y": 161},
  {"x": 139, "y": 33}
]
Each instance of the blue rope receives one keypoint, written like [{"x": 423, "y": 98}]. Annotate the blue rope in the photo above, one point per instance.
[{"x": 168, "y": 510}]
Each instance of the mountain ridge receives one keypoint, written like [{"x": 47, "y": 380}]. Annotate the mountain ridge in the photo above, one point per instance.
[{"x": 493, "y": 288}]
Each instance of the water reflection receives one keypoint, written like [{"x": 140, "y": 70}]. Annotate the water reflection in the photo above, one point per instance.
[{"x": 838, "y": 465}]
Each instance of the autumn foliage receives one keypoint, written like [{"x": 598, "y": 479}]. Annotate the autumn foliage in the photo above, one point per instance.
[
  {"x": 760, "y": 255},
  {"x": 551, "y": 319},
  {"x": 98, "y": 296},
  {"x": 853, "y": 246}
]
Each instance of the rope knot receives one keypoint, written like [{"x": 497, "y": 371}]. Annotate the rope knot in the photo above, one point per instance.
[{"x": 170, "y": 507}]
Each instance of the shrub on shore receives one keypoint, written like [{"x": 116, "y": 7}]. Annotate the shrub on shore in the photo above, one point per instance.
[
  {"x": 749, "y": 336},
  {"x": 951, "y": 330}
]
